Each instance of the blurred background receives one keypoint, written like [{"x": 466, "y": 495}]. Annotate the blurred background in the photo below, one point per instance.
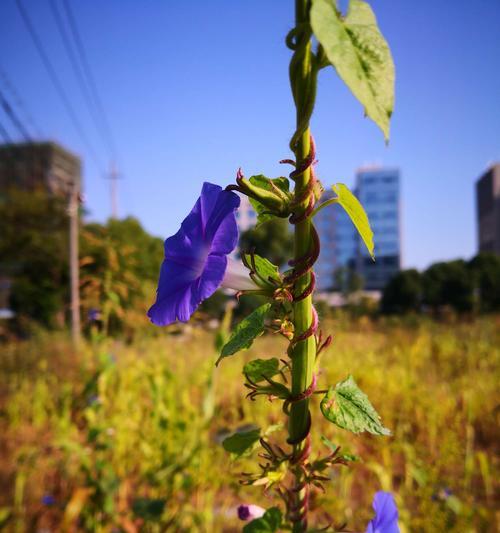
[{"x": 112, "y": 114}]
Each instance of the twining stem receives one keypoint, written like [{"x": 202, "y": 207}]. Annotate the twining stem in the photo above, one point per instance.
[{"x": 303, "y": 352}]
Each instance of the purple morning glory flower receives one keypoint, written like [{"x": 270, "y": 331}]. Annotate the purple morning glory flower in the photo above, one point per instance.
[
  {"x": 196, "y": 262},
  {"x": 48, "y": 499},
  {"x": 386, "y": 514},
  {"x": 250, "y": 512}
]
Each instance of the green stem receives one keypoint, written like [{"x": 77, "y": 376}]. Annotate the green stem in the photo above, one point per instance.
[{"x": 302, "y": 73}]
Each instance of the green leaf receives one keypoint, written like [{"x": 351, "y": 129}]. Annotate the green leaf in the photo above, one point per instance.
[
  {"x": 272, "y": 429},
  {"x": 261, "y": 181},
  {"x": 149, "y": 508},
  {"x": 270, "y": 522},
  {"x": 328, "y": 443},
  {"x": 258, "y": 368},
  {"x": 356, "y": 213},
  {"x": 360, "y": 55},
  {"x": 263, "y": 268},
  {"x": 241, "y": 444},
  {"x": 349, "y": 408},
  {"x": 245, "y": 332},
  {"x": 345, "y": 456}
]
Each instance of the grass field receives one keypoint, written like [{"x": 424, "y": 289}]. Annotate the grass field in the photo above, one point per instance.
[{"x": 127, "y": 437}]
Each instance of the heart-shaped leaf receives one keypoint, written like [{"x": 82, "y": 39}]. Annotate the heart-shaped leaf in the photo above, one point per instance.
[
  {"x": 257, "y": 369},
  {"x": 270, "y": 522},
  {"x": 349, "y": 408},
  {"x": 245, "y": 332},
  {"x": 241, "y": 443},
  {"x": 359, "y": 53}
]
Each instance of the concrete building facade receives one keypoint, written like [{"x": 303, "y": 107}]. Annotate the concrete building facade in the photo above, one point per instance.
[
  {"x": 488, "y": 210},
  {"x": 35, "y": 165},
  {"x": 49, "y": 167}
]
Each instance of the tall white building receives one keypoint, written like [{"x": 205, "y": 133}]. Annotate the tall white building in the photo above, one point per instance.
[
  {"x": 338, "y": 243},
  {"x": 378, "y": 190},
  {"x": 246, "y": 217}
]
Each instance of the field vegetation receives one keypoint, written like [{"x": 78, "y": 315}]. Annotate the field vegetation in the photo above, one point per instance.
[{"x": 126, "y": 436}]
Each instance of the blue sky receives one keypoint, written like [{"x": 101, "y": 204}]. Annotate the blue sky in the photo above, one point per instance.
[{"x": 195, "y": 89}]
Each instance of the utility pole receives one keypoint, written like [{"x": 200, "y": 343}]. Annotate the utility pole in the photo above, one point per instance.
[
  {"x": 73, "y": 261},
  {"x": 113, "y": 177}
]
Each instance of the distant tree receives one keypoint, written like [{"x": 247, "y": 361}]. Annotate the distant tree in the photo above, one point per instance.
[
  {"x": 120, "y": 263},
  {"x": 347, "y": 280},
  {"x": 448, "y": 284},
  {"x": 272, "y": 240},
  {"x": 34, "y": 254},
  {"x": 485, "y": 270},
  {"x": 403, "y": 293}
]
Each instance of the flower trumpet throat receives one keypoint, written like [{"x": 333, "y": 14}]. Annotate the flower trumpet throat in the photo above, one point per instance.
[{"x": 237, "y": 277}]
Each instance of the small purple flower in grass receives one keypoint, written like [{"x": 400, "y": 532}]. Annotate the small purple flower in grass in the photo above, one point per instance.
[
  {"x": 250, "y": 512},
  {"x": 94, "y": 315},
  {"x": 196, "y": 262},
  {"x": 386, "y": 514},
  {"x": 48, "y": 499}
]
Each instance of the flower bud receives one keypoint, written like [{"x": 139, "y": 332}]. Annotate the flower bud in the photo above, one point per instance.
[{"x": 250, "y": 512}]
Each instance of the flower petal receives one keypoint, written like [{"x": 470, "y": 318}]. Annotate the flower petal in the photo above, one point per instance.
[
  {"x": 195, "y": 257},
  {"x": 211, "y": 277},
  {"x": 225, "y": 239},
  {"x": 188, "y": 242},
  {"x": 386, "y": 514},
  {"x": 222, "y": 205},
  {"x": 173, "y": 297}
]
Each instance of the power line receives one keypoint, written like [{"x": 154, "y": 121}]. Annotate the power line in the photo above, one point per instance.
[
  {"x": 14, "y": 118},
  {"x": 80, "y": 76},
  {"x": 5, "y": 134},
  {"x": 113, "y": 176},
  {"x": 90, "y": 78},
  {"x": 55, "y": 80},
  {"x": 20, "y": 104}
]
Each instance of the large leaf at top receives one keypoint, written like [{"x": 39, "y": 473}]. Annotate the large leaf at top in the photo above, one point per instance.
[
  {"x": 242, "y": 443},
  {"x": 245, "y": 332},
  {"x": 349, "y": 408},
  {"x": 282, "y": 184},
  {"x": 356, "y": 213},
  {"x": 360, "y": 55},
  {"x": 270, "y": 522}
]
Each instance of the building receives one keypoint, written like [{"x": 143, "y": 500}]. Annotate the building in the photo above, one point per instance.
[
  {"x": 246, "y": 217},
  {"x": 342, "y": 251},
  {"x": 488, "y": 210},
  {"x": 49, "y": 167},
  {"x": 34, "y": 165},
  {"x": 378, "y": 190},
  {"x": 339, "y": 244}
]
